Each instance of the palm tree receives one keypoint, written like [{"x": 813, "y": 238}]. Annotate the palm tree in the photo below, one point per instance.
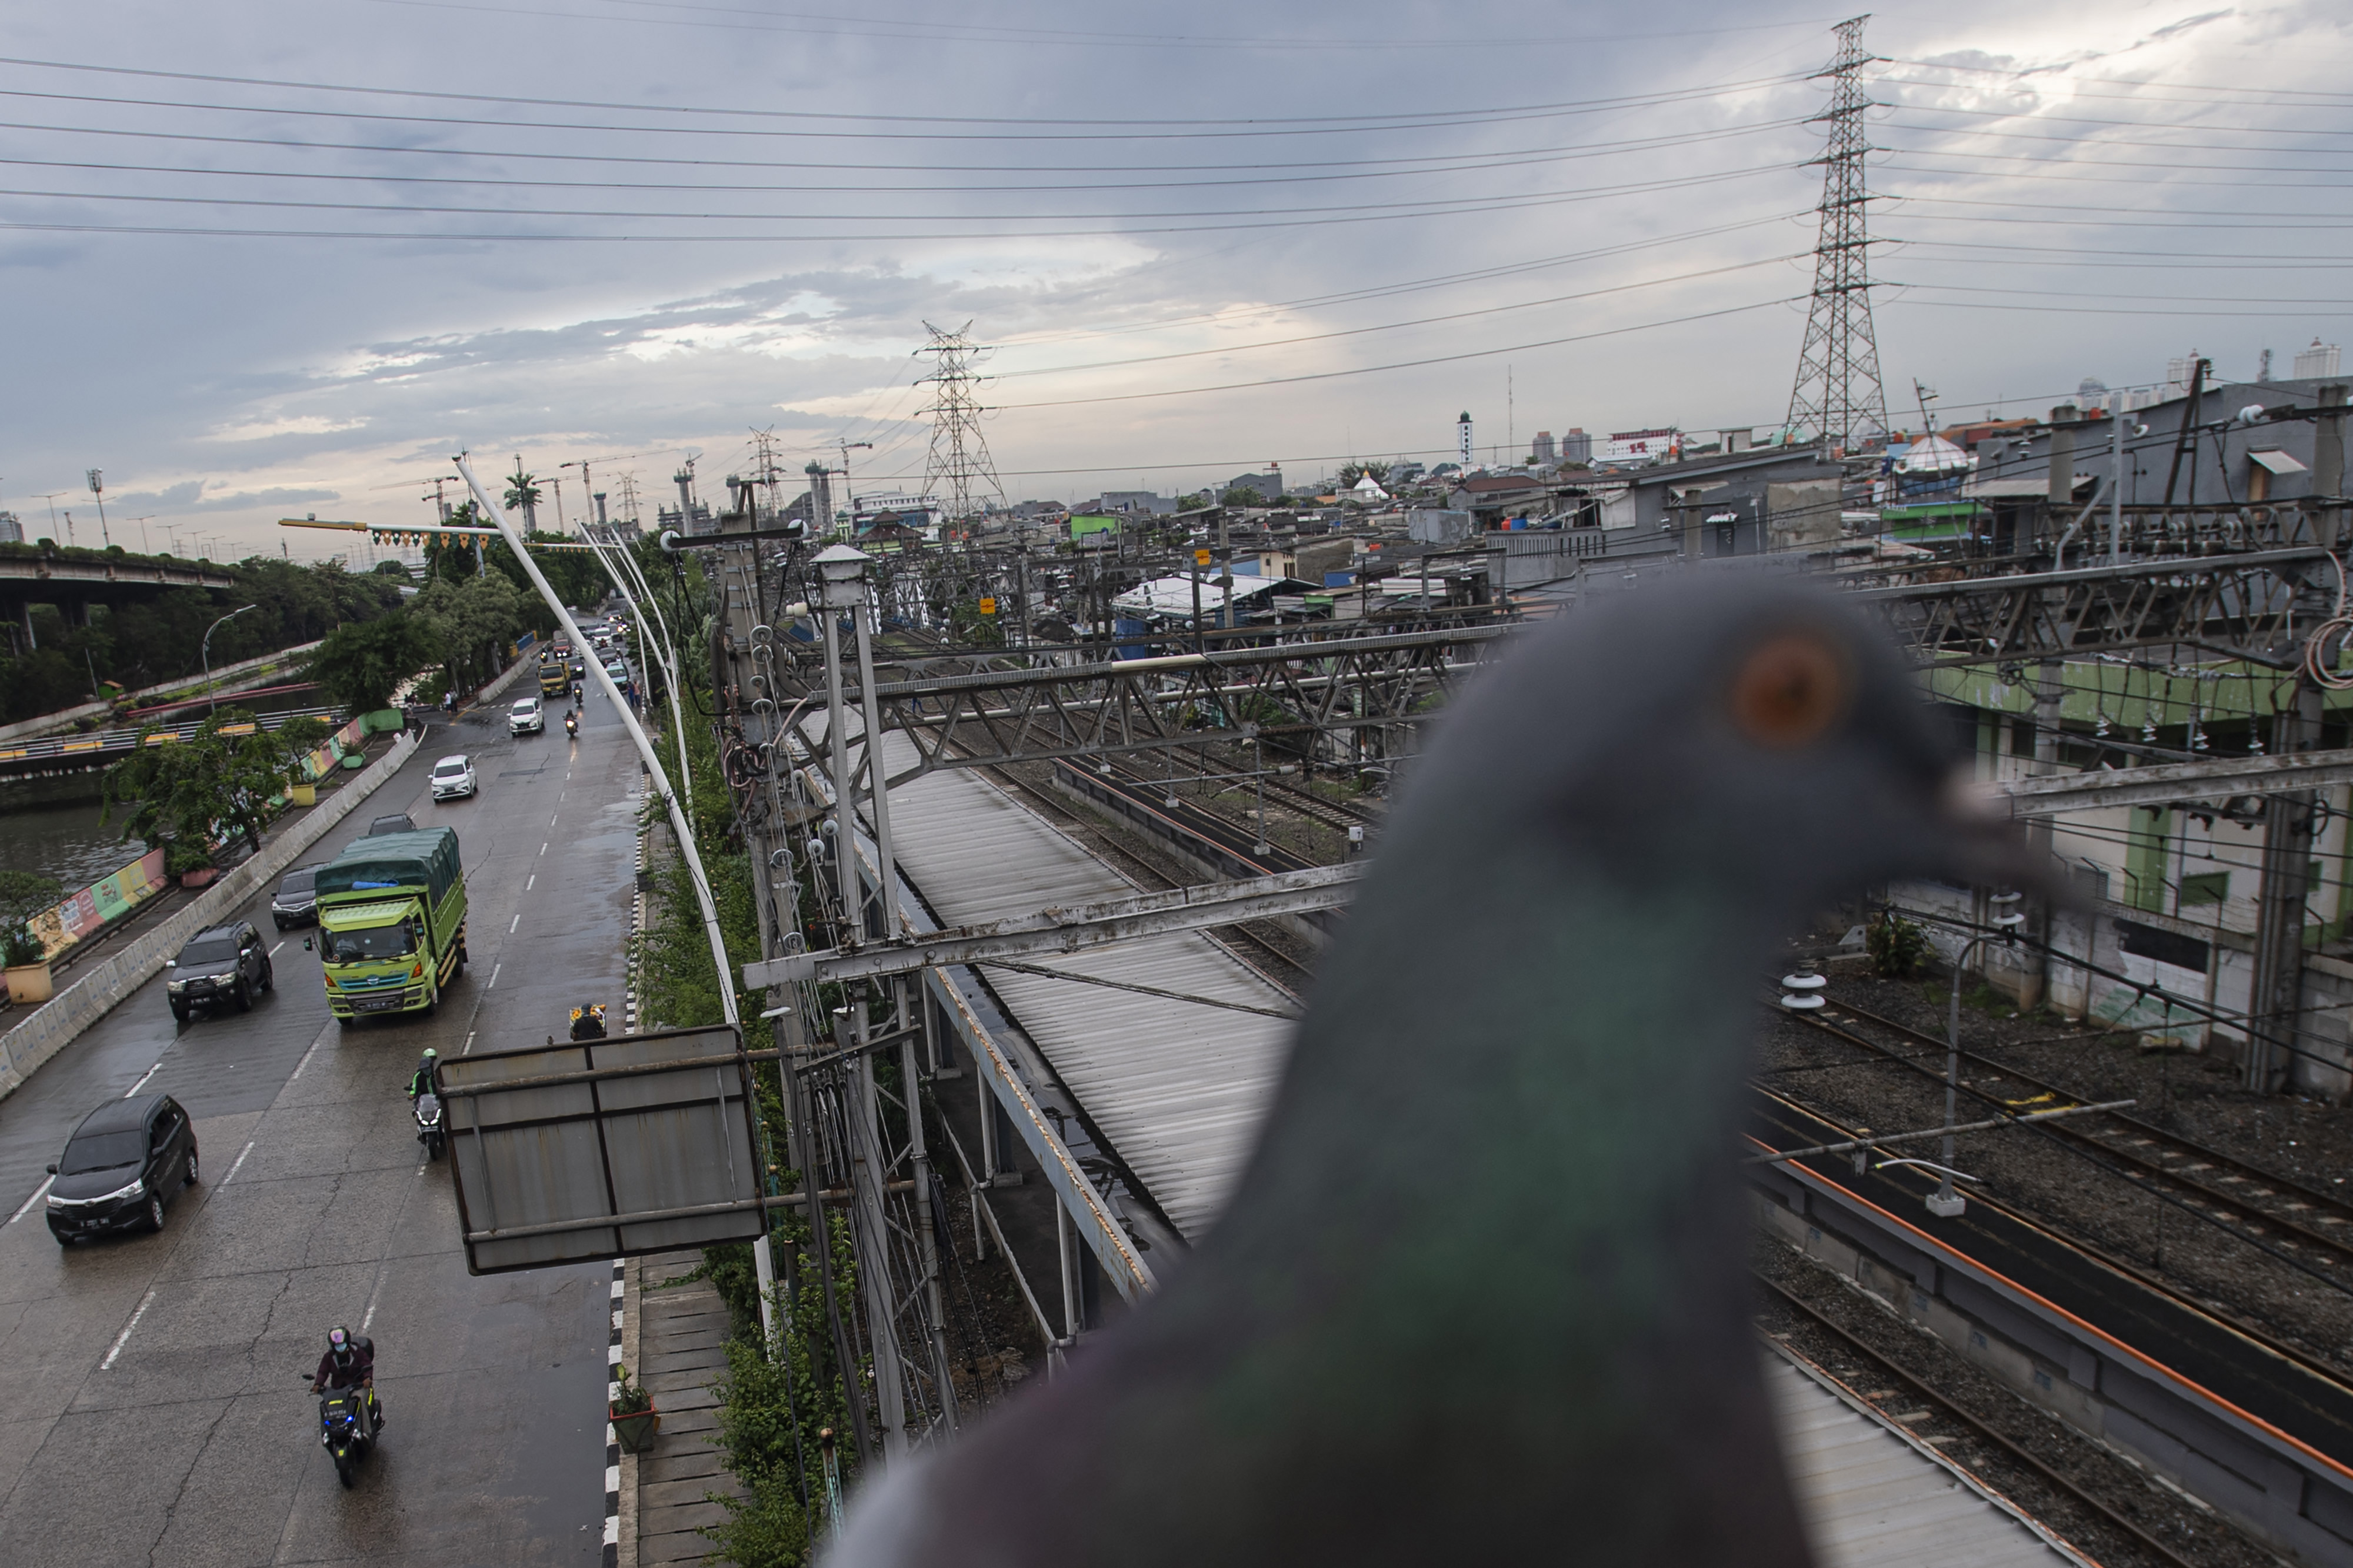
[{"x": 523, "y": 490}]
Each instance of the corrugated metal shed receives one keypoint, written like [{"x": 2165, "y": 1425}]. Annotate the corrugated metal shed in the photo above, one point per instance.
[
  {"x": 1179, "y": 1089},
  {"x": 1874, "y": 1499}
]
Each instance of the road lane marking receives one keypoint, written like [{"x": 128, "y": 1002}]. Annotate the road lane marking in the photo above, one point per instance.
[
  {"x": 550, "y": 821},
  {"x": 542, "y": 848},
  {"x": 39, "y": 1194},
  {"x": 469, "y": 1044},
  {"x": 494, "y": 974},
  {"x": 514, "y": 922},
  {"x": 124, "y": 1337},
  {"x": 144, "y": 1077},
  {"x": 309, "y": 1053},
  {"x": 239, "y": 1165},
  {"x": 281, "y": 943},
  {"x": 528, "y": 886}
]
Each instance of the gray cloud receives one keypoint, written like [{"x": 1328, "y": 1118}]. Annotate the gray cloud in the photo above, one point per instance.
[{"x": 237, "y": 378}]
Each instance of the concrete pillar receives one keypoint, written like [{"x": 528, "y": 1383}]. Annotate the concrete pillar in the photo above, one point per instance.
[
  {"x": 2329, "y": 445},
  {"x": 2050, "y": 692},
  {"x": 2064, "y": 420}
]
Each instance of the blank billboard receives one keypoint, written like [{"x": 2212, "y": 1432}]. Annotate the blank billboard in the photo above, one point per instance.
[{"x": 579, "y": 1149}]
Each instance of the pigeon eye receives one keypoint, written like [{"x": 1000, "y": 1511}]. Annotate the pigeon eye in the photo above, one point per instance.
[{"x": 1789, "y": 690}]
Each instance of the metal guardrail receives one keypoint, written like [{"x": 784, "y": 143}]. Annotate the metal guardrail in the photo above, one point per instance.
[{"x": 107, "y": 742}]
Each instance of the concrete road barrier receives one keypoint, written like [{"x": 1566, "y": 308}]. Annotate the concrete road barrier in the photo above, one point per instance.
[{"x": 57, "y": 1021}]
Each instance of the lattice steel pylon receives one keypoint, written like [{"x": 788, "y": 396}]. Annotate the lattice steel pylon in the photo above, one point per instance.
[
  {"x": 958, "y": 471},
  {"x": 1838, "y": 397}
]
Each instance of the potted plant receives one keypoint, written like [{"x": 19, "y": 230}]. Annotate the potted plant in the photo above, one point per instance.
[
  {"x": 304, "y": 794},
  {"x": 635, "y": 1420},
  {"x": 193, "y": 865},
  {"x": 23, "y": 895}
]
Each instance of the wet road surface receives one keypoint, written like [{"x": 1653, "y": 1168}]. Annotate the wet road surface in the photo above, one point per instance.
[{"x": 154, "y": 1406}]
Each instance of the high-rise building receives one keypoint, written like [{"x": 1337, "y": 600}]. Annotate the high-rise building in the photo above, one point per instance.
[
  {"x": 1577, "y": 446},
  {"x": 11, "y": 530},
  {"x": 1542, "y": 450},
  {"x": 2319, "y": 360},
  {"x": 1462, "y": 439}
]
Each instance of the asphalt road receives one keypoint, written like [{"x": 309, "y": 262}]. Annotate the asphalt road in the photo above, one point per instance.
[{"x": 153, "y": 1398}]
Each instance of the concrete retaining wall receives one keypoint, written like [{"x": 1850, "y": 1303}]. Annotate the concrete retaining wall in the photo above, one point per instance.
[{"x": 65, "y": 1016}]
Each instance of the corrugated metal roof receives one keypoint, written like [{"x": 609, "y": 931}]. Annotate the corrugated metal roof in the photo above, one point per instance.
[
  {"x": 1874, "y": 1499},
  {"x": 1177, "y": 1089}
]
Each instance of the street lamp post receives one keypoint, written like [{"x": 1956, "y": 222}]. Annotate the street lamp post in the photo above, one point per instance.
[
  {"x": 211, "y": 706},
  {"x": 1945, "y": 1203}
]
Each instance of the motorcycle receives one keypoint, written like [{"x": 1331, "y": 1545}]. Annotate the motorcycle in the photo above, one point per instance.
[
  {"x": 428, "y": 1124},
  {"x": 588, "y": 1021},
  {"x": 572, "y": 724},
  {"x": 347, "y": 1429}
]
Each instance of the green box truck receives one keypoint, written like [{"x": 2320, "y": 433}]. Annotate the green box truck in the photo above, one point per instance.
[{"x": 392, "y": 923}]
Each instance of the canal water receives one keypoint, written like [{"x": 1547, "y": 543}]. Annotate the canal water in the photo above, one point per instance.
[
  {"x": 61, "y": 839},
  {"x": 50, "y": 826}
]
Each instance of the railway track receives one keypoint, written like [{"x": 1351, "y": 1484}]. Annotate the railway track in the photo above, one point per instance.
[
  {"x": 2310, "y": 1225},
  {"x": 1961, "y": 1415},
  {"x": 1273, "y": 964},
  {"x": 2193, "y": 1395}
]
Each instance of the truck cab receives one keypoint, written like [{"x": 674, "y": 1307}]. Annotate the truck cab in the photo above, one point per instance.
[{"x": 392, "y": 923}]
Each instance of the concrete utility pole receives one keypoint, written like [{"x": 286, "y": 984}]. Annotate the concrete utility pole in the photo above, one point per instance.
[
  {"x": 2277, "y": 1000},
  {"x": 97, "y": 489}
]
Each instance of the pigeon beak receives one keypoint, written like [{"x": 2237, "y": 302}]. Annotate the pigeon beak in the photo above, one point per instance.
[{"x": 1985, "y": 846}]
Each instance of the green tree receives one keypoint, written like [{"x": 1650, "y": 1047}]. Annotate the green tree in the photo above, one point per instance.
[
  {"x": 360, "y": 664},
  {"x": 467, "y": 621},
  {"x": 23, "y": 895},
  {"x": 212, "y": 789}
]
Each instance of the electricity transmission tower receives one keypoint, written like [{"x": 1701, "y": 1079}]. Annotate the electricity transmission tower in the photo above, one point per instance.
[
  {"x": 1838, "y": 396},
  {"x": 958, "y": 471}
]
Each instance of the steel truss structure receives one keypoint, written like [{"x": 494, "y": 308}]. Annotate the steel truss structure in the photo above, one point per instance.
[{"x": 1297, "y": 694}]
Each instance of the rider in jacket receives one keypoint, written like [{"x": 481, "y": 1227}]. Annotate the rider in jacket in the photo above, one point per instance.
[
  {"x": 350, "y": 1362},
  {"x": 421, "y": 1080}
]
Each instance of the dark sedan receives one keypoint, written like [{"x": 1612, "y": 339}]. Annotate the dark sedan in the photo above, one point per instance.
[{"x": 126, "y": 1159}]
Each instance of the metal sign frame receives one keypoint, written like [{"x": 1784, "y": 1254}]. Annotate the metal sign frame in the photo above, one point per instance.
[{"x": 576, "y": 1150}]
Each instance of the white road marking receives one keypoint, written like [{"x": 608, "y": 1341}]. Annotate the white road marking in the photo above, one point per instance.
[
  {"x": 533, "y": 882},
  {"x": 239, "y": 1165},
  {"x": 550, "y": 821},
  {"x": 494, "y": 974},
  {"x": 514, "y": 922},
  {"x": 542, "y": 848},
  {"x": 39, "y": 1194},
  {"x": 469, "y": 1044},
  {"x": 308, "y": 1054},
  {"x": 124, "y": 1337},
  {"x": 144, "y": 1077},
  {"x": 281, "y": 943}
]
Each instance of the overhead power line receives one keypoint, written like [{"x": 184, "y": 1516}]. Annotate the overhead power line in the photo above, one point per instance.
[{"x": 1219, "y": 125}]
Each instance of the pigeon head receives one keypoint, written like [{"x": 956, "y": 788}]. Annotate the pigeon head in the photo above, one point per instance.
[{"x": 1761, "y": 734}]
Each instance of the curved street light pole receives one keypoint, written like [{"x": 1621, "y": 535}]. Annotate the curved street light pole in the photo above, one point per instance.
[{"x": 211, "y": 705}]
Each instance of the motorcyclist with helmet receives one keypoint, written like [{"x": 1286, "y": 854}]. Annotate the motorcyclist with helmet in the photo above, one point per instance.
[
  {"x": 421, "y": 1080},
  {"x": 350, "y": 1362}
]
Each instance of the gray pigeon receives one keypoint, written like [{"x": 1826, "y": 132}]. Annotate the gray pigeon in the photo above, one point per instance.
[{"x": 1480, "y": 1296}]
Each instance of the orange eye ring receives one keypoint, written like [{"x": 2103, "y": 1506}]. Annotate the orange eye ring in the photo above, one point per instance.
[{"x": 1789, "y": 690}]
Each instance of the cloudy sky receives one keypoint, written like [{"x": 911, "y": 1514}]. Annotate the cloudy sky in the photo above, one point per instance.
[{"x": 271, "y": 259}]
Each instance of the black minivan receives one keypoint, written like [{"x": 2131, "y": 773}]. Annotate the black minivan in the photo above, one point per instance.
[
  {"x": 126, "y": 1159},
  {"x": 296, "y": 903}
]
